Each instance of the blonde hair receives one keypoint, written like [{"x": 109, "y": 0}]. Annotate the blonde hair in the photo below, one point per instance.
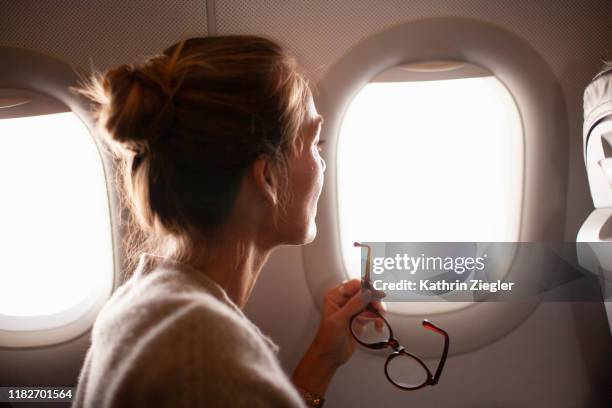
[{"x": 186, "y": 124}]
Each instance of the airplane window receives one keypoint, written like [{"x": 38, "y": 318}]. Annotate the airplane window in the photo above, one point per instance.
[
  {"x": 429, "y": 160},
  {"x": 55, "y": 221}
]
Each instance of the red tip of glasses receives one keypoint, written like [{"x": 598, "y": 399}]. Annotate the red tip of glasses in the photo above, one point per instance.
[{"x": 428, "y": 325}]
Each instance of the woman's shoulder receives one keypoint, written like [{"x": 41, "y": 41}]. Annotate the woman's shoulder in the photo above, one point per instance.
[
  {"x": 170, "y": 331},
  {"x": 167, "y": 298}
]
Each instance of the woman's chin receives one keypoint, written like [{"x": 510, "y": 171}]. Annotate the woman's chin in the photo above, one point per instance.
[
  {"x": 305, "y": 236},
  {"x": 311, "y": 233}
]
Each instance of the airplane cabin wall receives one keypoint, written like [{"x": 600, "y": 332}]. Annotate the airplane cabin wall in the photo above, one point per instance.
[{"x": 572, "y": 36}]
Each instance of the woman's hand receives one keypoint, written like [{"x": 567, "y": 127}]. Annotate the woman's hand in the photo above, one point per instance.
[
  {"x": 333, "y": 344},
  {"x": 334, "y": 341}
]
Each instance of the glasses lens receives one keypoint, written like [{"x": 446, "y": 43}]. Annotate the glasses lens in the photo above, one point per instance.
[
  {"x": 369, "y": 328},
  {"x": 406, "y": 371}
]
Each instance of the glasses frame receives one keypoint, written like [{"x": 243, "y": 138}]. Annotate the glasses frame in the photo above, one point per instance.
[{"x": 398, "y": 350}]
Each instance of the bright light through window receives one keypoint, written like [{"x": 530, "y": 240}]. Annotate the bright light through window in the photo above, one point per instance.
[
  {"x": 430, "y": 161},
  {"x": 54, "y": 216}
]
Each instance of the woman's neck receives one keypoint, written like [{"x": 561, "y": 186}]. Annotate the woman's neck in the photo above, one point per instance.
[{"x": 234, "y": 264}]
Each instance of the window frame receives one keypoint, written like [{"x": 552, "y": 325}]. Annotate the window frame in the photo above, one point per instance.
[
  {"x": 47, "y": 79},
  {"x": 542, "y": 108}
]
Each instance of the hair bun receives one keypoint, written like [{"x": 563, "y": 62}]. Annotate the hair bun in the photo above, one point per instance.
[{"x": 140, "y": 107}]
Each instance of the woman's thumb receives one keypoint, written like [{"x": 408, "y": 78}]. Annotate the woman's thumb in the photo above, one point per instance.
[{"x": 355, "y": 304}]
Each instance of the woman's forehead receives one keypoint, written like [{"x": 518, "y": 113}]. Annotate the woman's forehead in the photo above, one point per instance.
[{"x": 314, "y": 118}]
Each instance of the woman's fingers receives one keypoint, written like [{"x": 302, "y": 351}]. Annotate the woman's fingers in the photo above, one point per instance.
[
  {"x": 340, "y": 294},
  {"x": 349, "y": 298},
  {"x": 373, "y": 317},
  {"x": 380, "y": 307},
  {"x": 361, "y": 322},
  {"x": 354, "y": 305}
]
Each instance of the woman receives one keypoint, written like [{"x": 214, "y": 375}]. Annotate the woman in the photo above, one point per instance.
[{"x": 219, "y": 145}]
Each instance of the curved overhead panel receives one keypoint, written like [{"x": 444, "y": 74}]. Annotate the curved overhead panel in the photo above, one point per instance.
[
  {"x": 102, "y": 33},
  {"x": 320, "y": 32}
]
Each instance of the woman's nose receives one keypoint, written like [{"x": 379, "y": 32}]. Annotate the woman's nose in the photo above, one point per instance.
[{"x": 324, "y": 164}]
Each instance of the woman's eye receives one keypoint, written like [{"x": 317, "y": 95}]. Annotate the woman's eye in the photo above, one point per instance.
[{"x": 320, "y": 144}]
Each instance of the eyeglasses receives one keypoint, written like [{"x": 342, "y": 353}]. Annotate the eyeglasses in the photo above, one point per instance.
[{"x": 402, "y": 369}]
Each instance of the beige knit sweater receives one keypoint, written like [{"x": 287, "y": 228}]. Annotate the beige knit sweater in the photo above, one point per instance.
[{"x": 171, "y": 337}]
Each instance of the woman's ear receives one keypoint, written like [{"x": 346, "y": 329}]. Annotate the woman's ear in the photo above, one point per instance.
[{"x": 265, "y": 180}]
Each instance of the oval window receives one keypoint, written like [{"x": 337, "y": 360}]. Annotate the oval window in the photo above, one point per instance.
[
  {"x": 429, "y": 152},
  {"x": 57, "y": 253}
]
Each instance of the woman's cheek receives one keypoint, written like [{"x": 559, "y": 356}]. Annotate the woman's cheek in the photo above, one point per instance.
[{"x": 319, "y": 172}]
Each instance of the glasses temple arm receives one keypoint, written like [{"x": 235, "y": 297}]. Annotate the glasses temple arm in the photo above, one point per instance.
[
  {"x": 366, "y": 274},
  {"x": 367, "y": 266},
  {"x": 429, "y": 325}
]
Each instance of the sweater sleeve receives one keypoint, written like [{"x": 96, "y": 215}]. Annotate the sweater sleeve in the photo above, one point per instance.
[{"x": 201, "y": 356}]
